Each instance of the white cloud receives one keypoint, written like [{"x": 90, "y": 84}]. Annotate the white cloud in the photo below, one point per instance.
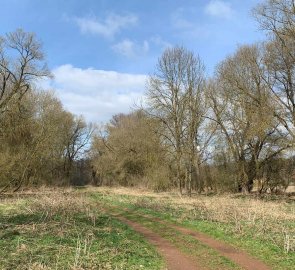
[
  {"x": 97, "y": 94},
  {"x": 131, "y": 49},
  {"x": 108, "y": 27},
  {"x": 218, "y": 8}
]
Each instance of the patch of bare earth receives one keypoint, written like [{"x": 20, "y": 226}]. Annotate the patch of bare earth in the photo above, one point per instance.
[
  {"x": 239, "y": 257},
  {"x": 175, "y": 259}
]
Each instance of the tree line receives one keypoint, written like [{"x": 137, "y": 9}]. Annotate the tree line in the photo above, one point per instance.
[
  {"x": 229, "y": 132},
  {"x": 40, "y": 141},
  {"x": 233, "y": 131}
]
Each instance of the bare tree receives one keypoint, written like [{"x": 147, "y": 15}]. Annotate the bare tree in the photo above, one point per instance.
[
  {"x": 244, "y": 110},
  {"x": 195, "y": 109},
  {"x": 21, "y": 64},
  {"x": 77, "y": 141},
  {"x": 174, "y": 97},
  {"x": 277, "y": 17}
]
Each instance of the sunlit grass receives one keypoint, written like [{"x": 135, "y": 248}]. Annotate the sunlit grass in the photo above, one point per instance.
[
  {"x": 68, "y": 232},
  {"x": 259, "y": 227}
]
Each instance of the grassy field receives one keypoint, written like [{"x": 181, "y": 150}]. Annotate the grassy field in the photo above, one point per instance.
[
  {"x": 68, "y": 231},
  {"x": 263, "y": 228},
  {"x": 78, "y": 229}
]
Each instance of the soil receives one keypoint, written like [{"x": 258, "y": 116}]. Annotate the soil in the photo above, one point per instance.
[
  {"x": 175, "y": 259},
  {"x": 239, "y": 257}
]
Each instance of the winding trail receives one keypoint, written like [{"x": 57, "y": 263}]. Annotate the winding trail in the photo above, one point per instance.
[
  {"x": 239, "y": 257},
  {"x": 175, "y": 259}
]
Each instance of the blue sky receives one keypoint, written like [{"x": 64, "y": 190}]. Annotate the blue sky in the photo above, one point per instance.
[{"x": 100, "y": 51}]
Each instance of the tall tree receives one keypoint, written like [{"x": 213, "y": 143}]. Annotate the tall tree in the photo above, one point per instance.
[
  {"x": 244, "y": 111},
  {"x": 174, "y": 97},
  {"x": 21, "y": 64},
  {"x": 277, "y": 17}
]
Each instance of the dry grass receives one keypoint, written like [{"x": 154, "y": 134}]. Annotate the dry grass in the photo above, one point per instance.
[
  {"x": 270, "y": 220},
  {"x": 64, "y": 229}
]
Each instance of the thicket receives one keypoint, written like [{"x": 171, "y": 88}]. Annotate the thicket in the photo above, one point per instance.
[{"x": 40, "y": 141}]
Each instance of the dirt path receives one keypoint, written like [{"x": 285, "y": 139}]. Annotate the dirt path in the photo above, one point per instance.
[
  {"x": 175, "y": 260},
  {"x": 239, "y": 257},
  {"x": 170, "y": 252}
]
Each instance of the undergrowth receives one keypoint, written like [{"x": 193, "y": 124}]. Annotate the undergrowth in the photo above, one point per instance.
[{"x": 67, "y": 231}]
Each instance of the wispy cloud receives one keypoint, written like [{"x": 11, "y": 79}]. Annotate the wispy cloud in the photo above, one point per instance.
[
  {"x": 188, "y": 28},
  {"x": 131, "y": 49},
  {"x": 97, "y": 94},
  {"x": 107, "y": 27},
  {"x": 179, "y": 21},
  {"x": 160, "y": 42},
  {"x": 219, "y": 8}
]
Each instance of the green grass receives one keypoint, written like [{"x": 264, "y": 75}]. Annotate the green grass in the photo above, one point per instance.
[
  {"x": 204, "y": 255},
  {"x": 34, "y": 235},
  {"x": 74, "y": 232},
  {"x": 258, "y": 247}
]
